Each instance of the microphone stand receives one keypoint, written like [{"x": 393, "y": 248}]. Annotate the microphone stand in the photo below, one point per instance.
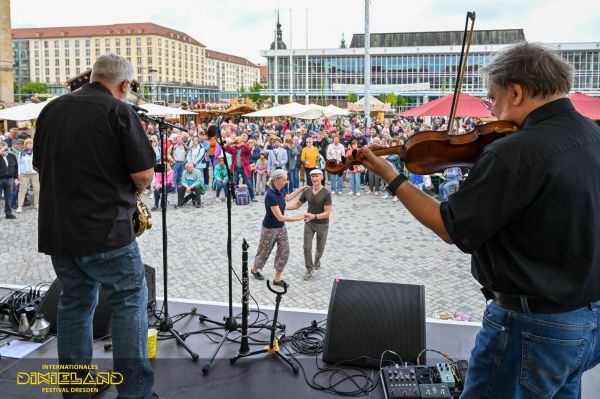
[{"x": 166, "y": 324}]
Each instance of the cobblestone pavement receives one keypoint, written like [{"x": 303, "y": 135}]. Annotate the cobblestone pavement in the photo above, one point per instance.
[{"x": 370, "y": 238}]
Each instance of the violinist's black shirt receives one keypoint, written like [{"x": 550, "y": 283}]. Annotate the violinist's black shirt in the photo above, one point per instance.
[
  {"x": 529, "y": 211},
  {"x": 86, "y": 145}
]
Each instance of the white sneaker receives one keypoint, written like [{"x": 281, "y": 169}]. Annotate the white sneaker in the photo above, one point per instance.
[
  {"x": 358, "y": 194},
  {"x": 20, "y": 209},
  {"x": 151, "y": 196},
  {"x": 376, "y": 193},
  {"x": 350, "y": 193},
  {"x": 395, "y": 199},
  {"x": 385, "y": 196},
  {"x": 340, "y": 193}
]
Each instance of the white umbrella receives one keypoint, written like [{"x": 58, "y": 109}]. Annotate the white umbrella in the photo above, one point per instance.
[
  {"x": 161, "y": 110},
  {"x": 290, "y": 109},
  {"x": 24, "y": 112}
]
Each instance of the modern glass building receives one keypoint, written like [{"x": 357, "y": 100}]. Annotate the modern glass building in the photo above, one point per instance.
[{"x": 418, "y": 65}]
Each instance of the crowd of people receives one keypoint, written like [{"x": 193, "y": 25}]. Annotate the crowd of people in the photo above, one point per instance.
[{"x": 255, "y": 150}]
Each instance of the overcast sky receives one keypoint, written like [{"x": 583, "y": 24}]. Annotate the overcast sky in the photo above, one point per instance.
[{"x": 244, "y": 27}]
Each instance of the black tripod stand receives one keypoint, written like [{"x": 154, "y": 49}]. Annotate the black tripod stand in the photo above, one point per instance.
[
  {"x": 165, "y": 322},
  {"x": 273, "y": 347}
]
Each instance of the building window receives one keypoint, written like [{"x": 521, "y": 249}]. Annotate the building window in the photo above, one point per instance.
[
  {"x": 77, "y": 71},
  {"x": 139, "y": 60},
  {"x": 68, "y": 71},
  {"x": 67, "y": 61},
  {"x": 128, "y": 41},
  {"x": 57, "y": 71},
  {"x": 149, "y": 60},
  {"x": 77, "y": 53},
  {"x": 149, "y": 41},
  {"x": 107, "y": 42},
  {"x": 57, "y": 62},
  {"x": 47, "y": 70},
  {"x": 36, "y": 44},
  {"x": 138, "y": 41},
  {"x": 118, "y": 51},
  {"x": 37, "y": 62},
  {"x": 128, "y": 51},
  {"x": 87, "y": 52},
  {"x": 149, "y": 50},
  {"x": 46, "y": 53},
  {"x": 97, "y": 52},
  {"x": 87, "y": 62},
  {"x": 87, "y": 43},
  {"x": 56, "y": 53},
  {"x": 97, "y": 42},
  {"x": 45, "y": 43},
  {"x": 159, "y": 41},
  {"x": 138, "y": 51},
  {"x": 67, "y": 52},
  {"x": 77, "y": 62},
  {"x": 37, "y": 71},
  {"x": 117, "y": 42},
  {"x": 66, "y": 43},
  {"x": 47, "y": 80}
]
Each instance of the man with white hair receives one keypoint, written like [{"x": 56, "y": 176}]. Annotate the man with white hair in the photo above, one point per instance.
[{"x": 93, "y": 155}]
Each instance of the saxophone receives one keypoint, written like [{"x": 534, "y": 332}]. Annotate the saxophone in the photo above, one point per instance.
[{"x": 141, "y": 217}]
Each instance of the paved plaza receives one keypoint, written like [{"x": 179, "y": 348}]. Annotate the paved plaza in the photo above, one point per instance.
[{"x": 370, "y": 238}]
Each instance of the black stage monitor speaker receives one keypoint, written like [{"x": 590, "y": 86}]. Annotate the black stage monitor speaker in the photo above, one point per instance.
[
  {"x": 103, "y": 314},
  {"x": 365, "y": 318}
]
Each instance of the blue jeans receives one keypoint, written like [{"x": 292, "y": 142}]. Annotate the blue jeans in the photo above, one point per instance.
[
  {"x": 121, "y": 274},
  {"x": 221, "y": 186},
  {"x": 293, "y": 176},
  {"x": 247, "y": 181},
  {"x": 6, "y": 185},
  {"x": 178, "y": 168},
  {"x": 445, "y": 188},
  {"x": 336, "y": 180},
  {"x": 521, "y": 355},
  {"x": 355, "y": 182}
]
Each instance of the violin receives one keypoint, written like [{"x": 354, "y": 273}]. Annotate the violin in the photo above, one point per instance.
[{"x": 429, "y": 152}]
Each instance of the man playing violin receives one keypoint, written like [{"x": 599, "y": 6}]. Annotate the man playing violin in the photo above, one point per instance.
[{"x": 529, "y": 216}]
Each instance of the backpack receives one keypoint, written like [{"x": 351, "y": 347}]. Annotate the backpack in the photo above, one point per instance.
[{"x": 242, "y": 195}]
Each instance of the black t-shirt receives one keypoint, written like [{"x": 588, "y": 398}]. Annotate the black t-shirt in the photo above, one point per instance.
[
  {"x": 529, "y": 212},
  {"x": 86, "y": 145},
  {"x": 272, "y": 198}
]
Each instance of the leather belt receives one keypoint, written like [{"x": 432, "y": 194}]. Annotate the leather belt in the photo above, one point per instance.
[{"x": 535, "y": 305}]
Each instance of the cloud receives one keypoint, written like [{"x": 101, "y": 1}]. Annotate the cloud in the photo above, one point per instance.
[{"x": 244, "y": 27}]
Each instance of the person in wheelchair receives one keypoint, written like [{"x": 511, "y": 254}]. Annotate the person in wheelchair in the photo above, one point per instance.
[{"x": 192, "y": 185}]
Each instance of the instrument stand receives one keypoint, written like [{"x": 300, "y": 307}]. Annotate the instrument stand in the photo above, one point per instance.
[
  {"x": 165, "y": 322},
  {"x": 273, "y": 347}
]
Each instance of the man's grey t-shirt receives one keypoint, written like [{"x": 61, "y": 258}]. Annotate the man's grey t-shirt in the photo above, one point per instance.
[{"x": 316, "y": 203}]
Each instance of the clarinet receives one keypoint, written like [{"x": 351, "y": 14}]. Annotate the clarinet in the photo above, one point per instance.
[{"x": 244, "y": 346}]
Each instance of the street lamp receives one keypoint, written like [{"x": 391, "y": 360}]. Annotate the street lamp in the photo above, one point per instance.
[{"x": 153, "y": 82}]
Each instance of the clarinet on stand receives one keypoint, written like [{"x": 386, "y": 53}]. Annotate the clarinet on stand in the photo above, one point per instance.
[{"x": 245, "y": 347}]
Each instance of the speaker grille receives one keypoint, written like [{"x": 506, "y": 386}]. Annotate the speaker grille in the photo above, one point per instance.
[{"x": 365, "y": 318}]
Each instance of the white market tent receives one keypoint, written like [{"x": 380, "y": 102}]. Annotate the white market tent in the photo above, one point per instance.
[
  {"x": 24, "y": 112},
  {"x": 161, "y": 110},
  {"x": 295, "y": 110}
]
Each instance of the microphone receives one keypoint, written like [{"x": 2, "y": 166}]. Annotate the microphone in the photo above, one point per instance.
[
  {"x": 138, "y": 109},
  {"x": 212, "y": 131}
]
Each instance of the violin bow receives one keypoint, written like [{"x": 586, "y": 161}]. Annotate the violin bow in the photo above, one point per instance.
[{"x": 462, "y": 66}]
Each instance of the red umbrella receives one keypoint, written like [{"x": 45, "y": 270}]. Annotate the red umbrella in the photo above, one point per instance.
[
  {"x": 586, "y": 105},
  {"x": 467, "y": 106}
]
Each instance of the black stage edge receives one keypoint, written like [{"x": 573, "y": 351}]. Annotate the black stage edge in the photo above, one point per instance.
[{"x": 260, "y": 377}]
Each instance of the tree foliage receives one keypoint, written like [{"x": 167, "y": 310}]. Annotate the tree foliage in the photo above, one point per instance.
[
  {"x": 34, "y": 87},
  {"x": 352, "y": 97}
]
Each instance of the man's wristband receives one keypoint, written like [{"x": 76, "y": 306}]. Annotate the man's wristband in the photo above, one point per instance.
[
  {"x": 315, "y": 216},
  {"x": 394, "y": 184}
]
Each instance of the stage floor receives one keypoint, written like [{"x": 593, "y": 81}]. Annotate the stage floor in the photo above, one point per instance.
[{"x": 261, "y": 376}]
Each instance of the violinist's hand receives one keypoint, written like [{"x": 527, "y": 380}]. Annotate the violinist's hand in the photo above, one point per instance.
[{"x": 378, "y": 165}]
